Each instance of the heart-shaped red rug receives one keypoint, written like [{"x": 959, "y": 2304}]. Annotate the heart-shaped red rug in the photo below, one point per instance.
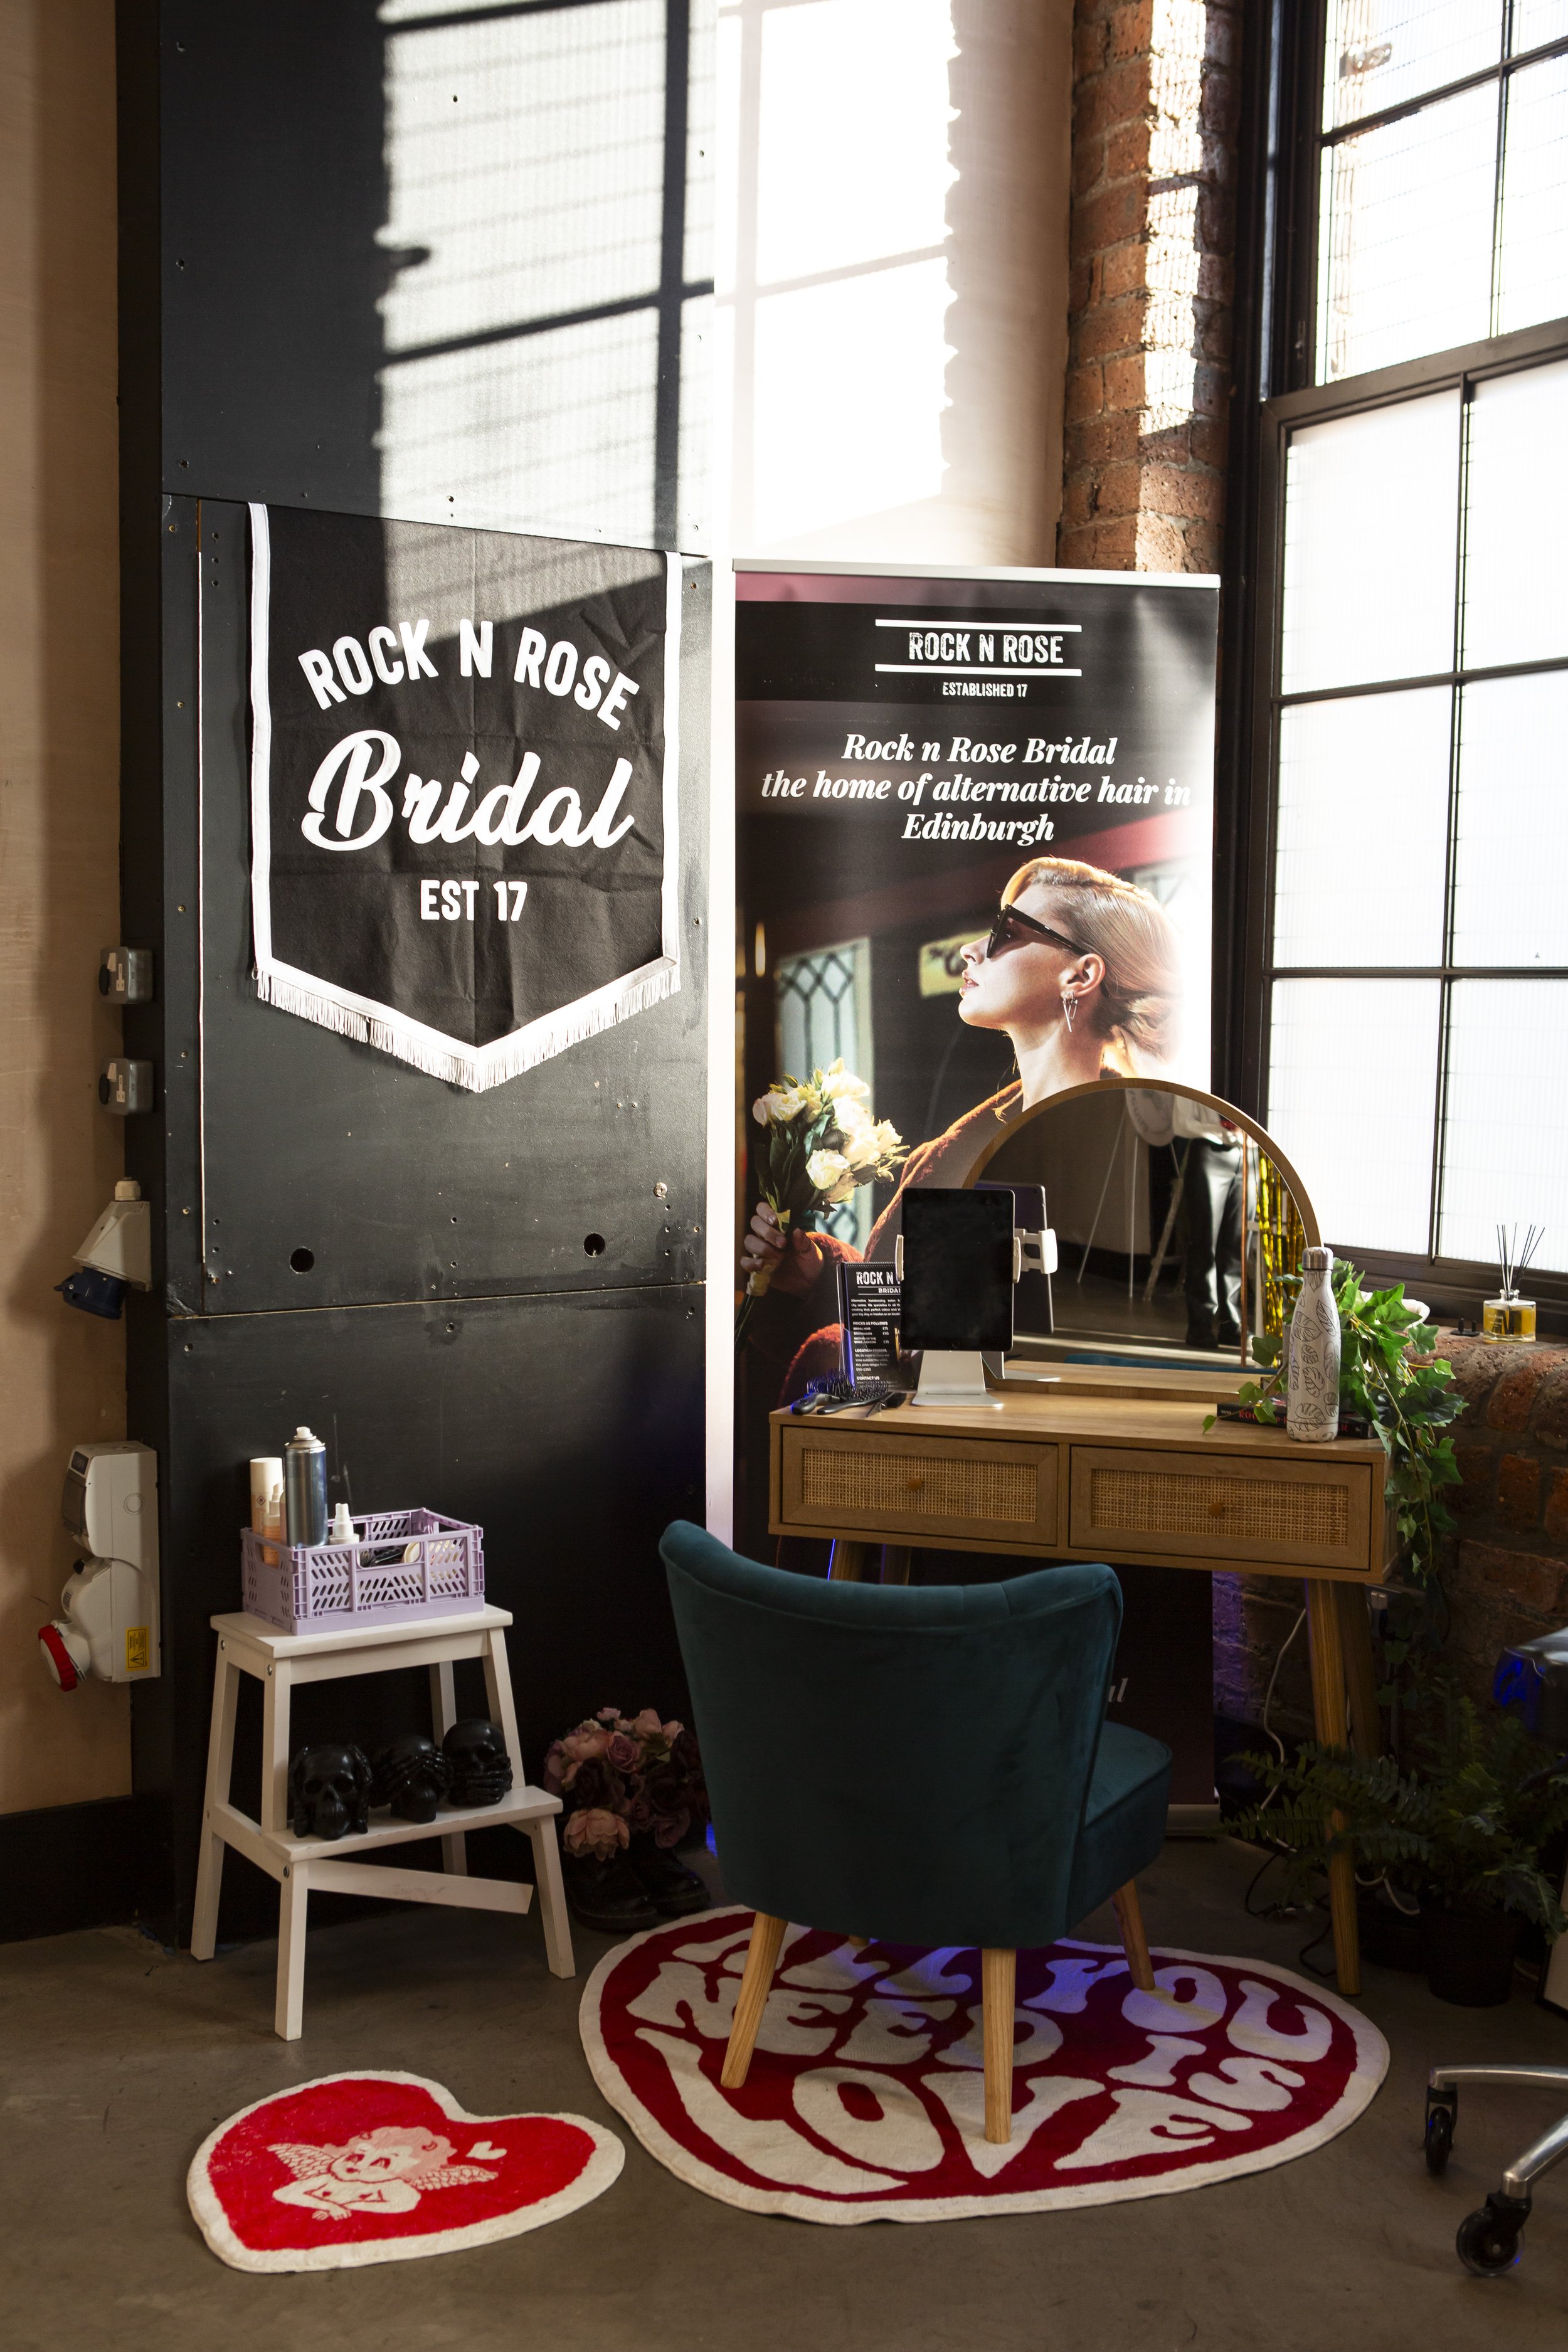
[{"x": 356, "y": 2168}]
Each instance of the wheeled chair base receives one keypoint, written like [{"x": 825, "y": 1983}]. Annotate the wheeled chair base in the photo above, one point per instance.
[{"x": 1487, "y": 2239}]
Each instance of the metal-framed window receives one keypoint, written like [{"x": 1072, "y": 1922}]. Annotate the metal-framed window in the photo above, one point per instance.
[{"x": 1403, "y": 747}]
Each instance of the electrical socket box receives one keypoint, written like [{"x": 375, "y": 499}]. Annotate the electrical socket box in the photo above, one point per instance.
[
  {"x": 110, "y": 1606},
  {"x": 125, "y": 975},
  {"x": 121, "y": 1243},
  {"x": 110, "y": 1501},
  {"x": 126, "y": 1087}
]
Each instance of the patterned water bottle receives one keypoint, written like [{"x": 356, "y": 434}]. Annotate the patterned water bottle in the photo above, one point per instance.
[{"x": 1312, "y": 1377}]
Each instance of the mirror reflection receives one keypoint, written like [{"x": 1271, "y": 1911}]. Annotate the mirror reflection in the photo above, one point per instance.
[{"x": 1176, "y": 1232}]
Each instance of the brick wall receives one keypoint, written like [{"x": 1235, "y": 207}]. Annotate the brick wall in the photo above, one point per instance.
[
  {"x": 1504, "y": 1571},
  {"x": 1150, "y": 284},
  {"x": 1508, "y": 1575}
]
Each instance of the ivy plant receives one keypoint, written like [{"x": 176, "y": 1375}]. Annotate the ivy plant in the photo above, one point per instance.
[{"x": 1408, "y": 1398}]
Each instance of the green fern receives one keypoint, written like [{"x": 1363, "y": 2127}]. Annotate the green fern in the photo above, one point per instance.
[{"x": 1463, "y": 1824}]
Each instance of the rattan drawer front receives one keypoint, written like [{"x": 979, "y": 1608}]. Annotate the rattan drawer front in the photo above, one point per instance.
[
  {"x": 1310, "y": 1514},
  {"x": 832, "y": 1478}
]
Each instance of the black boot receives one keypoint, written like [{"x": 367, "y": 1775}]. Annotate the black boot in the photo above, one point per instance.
[
  {"x": 666, "y": 1882},
  {"x": 606, "y": 1895}
]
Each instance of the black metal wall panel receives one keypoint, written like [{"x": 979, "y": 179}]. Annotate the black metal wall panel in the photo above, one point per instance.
[
  {"x": 453, "y": 1341},
  {"x": 400, "y": 1186},
  {"x": 274, "y": 188}
]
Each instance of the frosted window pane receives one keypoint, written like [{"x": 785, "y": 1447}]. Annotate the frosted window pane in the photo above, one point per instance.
[
  {"x": 1533, "y": 270},
  {"x": 1505, "y": 1133},
  {"x": 1516, "y": 585},
  {"x": 1351, "y": 1088},
  {"x": 1381, "y": 52},
  {"x": 1405, "y": 237},
  {"x": 1510, "y": 904},
  {"x": 1536, "y": 22},
  {"x": 1371, "y": 507},
  {"x": 1372, "y": 769}
]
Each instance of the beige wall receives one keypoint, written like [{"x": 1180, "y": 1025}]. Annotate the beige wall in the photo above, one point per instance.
[{"x": 61, "y": 1374}]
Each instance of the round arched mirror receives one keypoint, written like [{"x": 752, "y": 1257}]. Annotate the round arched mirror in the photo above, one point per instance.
[{"x": 1179, "y": 1225}]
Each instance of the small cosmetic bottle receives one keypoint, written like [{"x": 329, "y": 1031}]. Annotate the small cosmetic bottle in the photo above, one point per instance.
[
  {"x": 1508, "y": 1317},
  {"x": 267, "y": 1500}
]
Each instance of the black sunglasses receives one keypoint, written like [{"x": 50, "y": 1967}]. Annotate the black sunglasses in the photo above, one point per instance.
[{"x": 1010, "y": 924}]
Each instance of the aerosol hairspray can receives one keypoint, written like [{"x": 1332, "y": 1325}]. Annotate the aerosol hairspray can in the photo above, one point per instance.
[
  {"x": 305, "y": 1488},
  {"x": 1312, "y": 1374}
]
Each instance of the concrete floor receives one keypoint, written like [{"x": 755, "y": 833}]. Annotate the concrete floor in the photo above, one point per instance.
[{"x": 117, "y": 2060}]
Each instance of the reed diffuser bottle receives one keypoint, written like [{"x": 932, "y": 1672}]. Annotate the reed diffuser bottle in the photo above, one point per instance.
[
  {"x": 1312, "y": 1357},
  {"x": 1508, "y": 1315}
]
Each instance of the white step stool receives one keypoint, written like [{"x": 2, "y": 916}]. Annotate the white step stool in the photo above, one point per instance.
[{"x": 248, "y": 1646}]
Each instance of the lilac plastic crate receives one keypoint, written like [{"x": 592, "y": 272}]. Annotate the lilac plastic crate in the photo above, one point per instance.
[{"x": 438, "y": 1571}]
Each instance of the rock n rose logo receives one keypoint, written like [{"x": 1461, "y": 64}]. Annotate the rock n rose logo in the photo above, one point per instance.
[{"x": 866, "y": 2097}]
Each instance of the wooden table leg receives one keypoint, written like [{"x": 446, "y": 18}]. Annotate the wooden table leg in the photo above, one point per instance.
[
  {"x": 1361, "y": 1673},
  {"x": 443, "y": 1715},
  {"x": 895, "y": 1563},
  {"x": 1330, "y": 1718},
  {"x": 293, "y": 1899},
  {"x": 220, "y": 1765},
  {"x": 849, "y": 1561}
]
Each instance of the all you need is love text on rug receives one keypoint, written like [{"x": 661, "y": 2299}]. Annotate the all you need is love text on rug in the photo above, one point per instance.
[{"x": 865, "y": 2099}]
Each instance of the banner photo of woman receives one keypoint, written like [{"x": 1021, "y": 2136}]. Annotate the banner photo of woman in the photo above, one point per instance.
[{"x": 974, "y": 847}]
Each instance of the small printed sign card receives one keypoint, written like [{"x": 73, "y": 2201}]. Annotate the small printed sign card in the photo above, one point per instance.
[{"x": 869, "y": 1297}]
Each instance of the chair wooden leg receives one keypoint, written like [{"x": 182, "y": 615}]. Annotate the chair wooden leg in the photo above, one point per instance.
[
  {"x": 998, "y": 1982},
  {"x": 762, "y": 1958},
  {"x": 1135, "y": 1943}
]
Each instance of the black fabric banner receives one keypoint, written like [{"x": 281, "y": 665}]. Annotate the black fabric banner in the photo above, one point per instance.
[{"x": 463, "y": 786}]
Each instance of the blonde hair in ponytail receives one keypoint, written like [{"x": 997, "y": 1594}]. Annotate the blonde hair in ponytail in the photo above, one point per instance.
[{"x": 1141, "y": 995}]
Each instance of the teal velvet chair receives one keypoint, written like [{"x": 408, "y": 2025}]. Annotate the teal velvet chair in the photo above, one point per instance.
[{"x": 925, "y": 1764}]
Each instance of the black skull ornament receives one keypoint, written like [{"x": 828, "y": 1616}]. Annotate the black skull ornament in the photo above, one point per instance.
[
  {"x": 481, "y": 1768},
  {"x": 329, "y": 1792},
  {"x": 411, "y": 1776}
]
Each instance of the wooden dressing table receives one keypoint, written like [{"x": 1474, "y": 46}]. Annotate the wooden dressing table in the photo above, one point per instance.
[{"x": 1116, "y": 1466}]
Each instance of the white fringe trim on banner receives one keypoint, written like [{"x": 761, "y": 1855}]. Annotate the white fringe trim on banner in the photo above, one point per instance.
[{"x": 481, "y": 1067}]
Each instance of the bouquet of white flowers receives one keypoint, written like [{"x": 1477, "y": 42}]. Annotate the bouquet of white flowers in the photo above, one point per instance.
[{"x": 822, "y": 1141}]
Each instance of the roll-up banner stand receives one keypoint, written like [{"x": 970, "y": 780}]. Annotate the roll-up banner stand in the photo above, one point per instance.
[{"x": 912, "y": 747}]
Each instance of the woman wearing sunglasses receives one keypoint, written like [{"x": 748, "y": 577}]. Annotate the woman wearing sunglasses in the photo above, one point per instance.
[{"x": 1083, "y": 972}]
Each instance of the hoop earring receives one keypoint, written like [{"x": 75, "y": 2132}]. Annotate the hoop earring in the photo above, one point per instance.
[{"x": 1069, "y": 1007}]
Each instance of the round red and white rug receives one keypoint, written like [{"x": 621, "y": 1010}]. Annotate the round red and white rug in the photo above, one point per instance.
[
  {"x": 865, "y": 2099},
  {"x": 373, "y": 2168}
]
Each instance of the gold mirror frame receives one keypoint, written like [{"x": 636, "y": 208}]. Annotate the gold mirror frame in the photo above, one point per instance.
[{"x": 1009, "y": 1130}]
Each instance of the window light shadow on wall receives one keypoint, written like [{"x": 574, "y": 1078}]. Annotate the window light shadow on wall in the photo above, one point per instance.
[
  {"x": 546, "y": 353},
  {"x": 1176, "y": 167}
]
